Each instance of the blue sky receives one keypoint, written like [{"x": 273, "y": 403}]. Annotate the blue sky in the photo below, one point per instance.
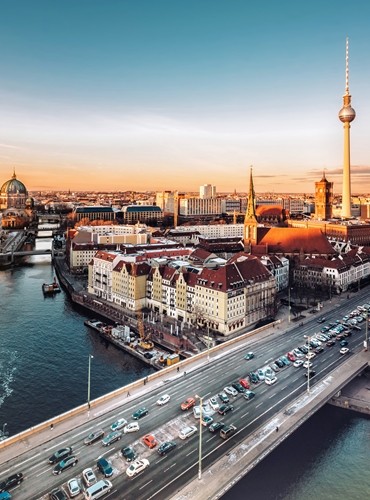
[{"x": 171, "y": 94}]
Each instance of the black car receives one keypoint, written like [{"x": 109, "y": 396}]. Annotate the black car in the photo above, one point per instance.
[
  {"x": 319, "y": 349},
  {"x": 60, "y": 454},
  {"x": 129, "y": 453},
  {"x": 279, "y": 363},
  {"x": 225, "y": 409},
  {"x": 166, "y": 447},
  {"x": 303, "y": 349},
  {"x": 223, "y": 397},
  {"x": 11, "y": 481},
  {"x": 330, "y": 343},
  {"x": 312, "y": 373},
  {"x": 94, "y": 436},
  {"x": 238, "y": 387},
  {"x": 58, "y": 494},
  {"x": 141, "y": 412},
  {"x": 105, "y": 467},
  {"x": 254, "y": 377},
  {"x": 65, "y": 464},
  {"x": 216, "y": 426}
]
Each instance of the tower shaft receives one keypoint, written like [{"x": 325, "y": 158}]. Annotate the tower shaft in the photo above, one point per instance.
[{"x": 346, "y": 190}]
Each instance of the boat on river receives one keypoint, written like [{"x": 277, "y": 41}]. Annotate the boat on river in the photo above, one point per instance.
[{"x": 51, "y": 288}]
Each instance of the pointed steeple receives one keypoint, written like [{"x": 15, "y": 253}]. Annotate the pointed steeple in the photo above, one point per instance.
[
  {"x": 14, "y": 176},
  {"x": 250, "y": 220}
]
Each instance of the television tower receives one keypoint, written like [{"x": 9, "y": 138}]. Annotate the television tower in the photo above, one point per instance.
[{"x": 346, "y": 115}]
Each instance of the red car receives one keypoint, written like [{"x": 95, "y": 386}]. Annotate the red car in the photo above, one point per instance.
[
  {"x": 150, "y": 441},
  {"x": 291, "y": 356},
  {"x": 189, "y": 403},
  {"x": 244, "y": 382}
]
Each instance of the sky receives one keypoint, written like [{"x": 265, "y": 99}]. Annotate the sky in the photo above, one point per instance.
[{"x": 172, "y": 94}]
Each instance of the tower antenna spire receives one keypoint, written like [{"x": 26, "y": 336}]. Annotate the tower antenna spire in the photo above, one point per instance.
[{"x": 347, "y": 67}]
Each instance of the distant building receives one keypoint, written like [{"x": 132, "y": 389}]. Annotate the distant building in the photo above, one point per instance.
[
  {"x": 141, "y": 213},
  {"x": 324, "y": 199},
  {"x": 207, "y": 191},
  {"x": 94, "y": 213}
]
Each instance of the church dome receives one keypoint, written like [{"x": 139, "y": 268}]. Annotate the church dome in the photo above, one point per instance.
[{"x": 13, "y": 186}]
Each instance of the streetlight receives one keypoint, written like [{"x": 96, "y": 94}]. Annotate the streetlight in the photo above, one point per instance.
[
  {"x": 289, "y": 304},
  {"x": 200, "y": 436},
  {"x": 366, "y": 329},
  {"x": 88, "y": 381},
  {"x": 308, "y": 363}
]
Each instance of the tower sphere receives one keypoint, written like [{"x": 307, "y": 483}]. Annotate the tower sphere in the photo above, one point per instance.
[{"x": 347, "y": 114}]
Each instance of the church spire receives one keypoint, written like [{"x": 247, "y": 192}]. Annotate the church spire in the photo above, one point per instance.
[{"x": 250, "y": 220}]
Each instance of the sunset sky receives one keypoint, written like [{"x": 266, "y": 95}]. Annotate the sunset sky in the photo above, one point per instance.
[{"x": 172, "y": 94}]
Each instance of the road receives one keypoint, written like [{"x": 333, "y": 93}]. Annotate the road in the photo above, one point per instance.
[{"x": 167, "y": 474}]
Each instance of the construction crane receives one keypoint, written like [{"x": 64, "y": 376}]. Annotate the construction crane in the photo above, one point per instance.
[{"x": 145, "y": 341}]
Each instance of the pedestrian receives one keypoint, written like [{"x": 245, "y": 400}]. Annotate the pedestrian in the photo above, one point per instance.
[
  {"x": 144, "y": 381},
  {"x": 128, "y": 393},
  {"x": 51, "y": 427},
  {"x": 178, "y": 369},
  {"x": 184, "y": 374},
  {"x": 277, "y": 429}
]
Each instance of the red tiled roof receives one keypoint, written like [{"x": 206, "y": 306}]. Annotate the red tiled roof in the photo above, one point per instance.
[{"x": 290, "y": 240}]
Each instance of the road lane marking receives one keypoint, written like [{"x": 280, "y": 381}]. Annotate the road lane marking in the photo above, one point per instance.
[
  {"x": 191, "y": 452},
  {"x": 244, "y": 415},
  {"x": 170, "y": 467},
  {"x": 257, "y": 406},
  {"x": 146, "y": 484}
]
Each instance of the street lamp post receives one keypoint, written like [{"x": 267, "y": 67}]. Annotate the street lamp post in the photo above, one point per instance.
[
  {"x": 366, "y": 329},
  {"x": 88, "y": 381},
  {"x": 308, "y": 363},
  {"x": 200, "y": 436},
  {"x": 208, "y": 342}
]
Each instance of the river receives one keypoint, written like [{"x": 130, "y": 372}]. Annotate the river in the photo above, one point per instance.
[{"x": 44, "y": 351}]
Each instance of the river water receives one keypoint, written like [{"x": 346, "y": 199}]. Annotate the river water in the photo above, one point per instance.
[{"x": 44, "y": 350}]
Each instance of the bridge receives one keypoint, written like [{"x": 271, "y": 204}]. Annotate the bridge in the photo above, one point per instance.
[{"x": 187, "y": 471}]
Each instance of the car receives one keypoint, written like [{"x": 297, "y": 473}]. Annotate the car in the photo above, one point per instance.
[
  {"x": 188, "y": 431},
  {"x": 136, "y": 467},
  {"x": 270, "y": 381},
  {"x": 339, "y": 337},
  {"x": 227, "y": 431},
  {"x": 231, "y": 391},
  {"x": 128, "y": 453},
  {"x": 307, "y": 364},
  {"x": 310, "y": 355},
  {"x": 213, "y": 403},
  {"x": 11, "y": 481},
  {"x": 65, "y": 464},
  {"x": 238, "y": 387},
  {"x": 88, "y": 477},
  {"x": 60, "y": 454},
  {"x": 297, "y": 353},
  {"x": 94, "y": 436},
  {"x": 303, "y": 349},
  {"x": 140, "y": 413},
  {"x": 254, "y": 377},
  {"x": 285, "y": 360},
  {"x": 249, "y": 394},
  {"x": 310, "y": 374},
  {"x": 223, "y": 397},
  {"x": 118, "y": 424},
  {"x": 344, "y": 350},
  {"x": 56, "y": 494},
  {"x": 216, "y": 426},
  {"x": 187, "y": 404},
  {"x": 249, "y": 355},
  {"x": 111, "y": 438},
  {"x": 150, "y": 441},
  {"x": 330, "y": 343},
  {"x": 343, "y": 343},
  {"x": 298, "y": 362},
  {"x": 225, "y": 409},
  {"x": 291, "y": 356},
  {"x": 163, "y": 400},
  {"x": 274, "y": 367},
  {"x": 269, "y": 373},
  {"x": 261, "y": 374},
  {"x": 244, "y": 383},
  {"x": 165, "y": 447},
  {"x": 279, "y": 363},
  {"x": 207, "y": 420},
  {"x": 319, "y": 349},
  {"x": 131, "y": 427},
  {"x": 105, "y": 467},
  {"x": 73, "y": 487}
]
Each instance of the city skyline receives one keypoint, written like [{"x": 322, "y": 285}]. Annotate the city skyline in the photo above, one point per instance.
[{"x": 161, "y": 95}]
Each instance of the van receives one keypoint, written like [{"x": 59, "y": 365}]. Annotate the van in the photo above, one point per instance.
[
  {"x": 227, "y": 431},
  {"x": 98, "y": 489}
]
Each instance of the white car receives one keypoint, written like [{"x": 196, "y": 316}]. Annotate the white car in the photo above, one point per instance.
[
  {"x": 187, "y": 431},
  {"x": 344, "y": 350},
  {"x": 214, "y": 404},
  {"x": 231, "y": 391},
  {"x": 118, "y": 424},
  {"x": 270, "y": 381},
  {"x": 137, "y": 467},
  {"x": 310, "y": 355},
  {"x": 73, "y": 487},
  {"x": 131, "y": 427},
  {"x": 163, "y": 399},
  {"x": 88, "y": 476},
  {"x": 298, "y": 362},
  {"x": 307, "y": 364},
  {"x": 298, "y": 353}
]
